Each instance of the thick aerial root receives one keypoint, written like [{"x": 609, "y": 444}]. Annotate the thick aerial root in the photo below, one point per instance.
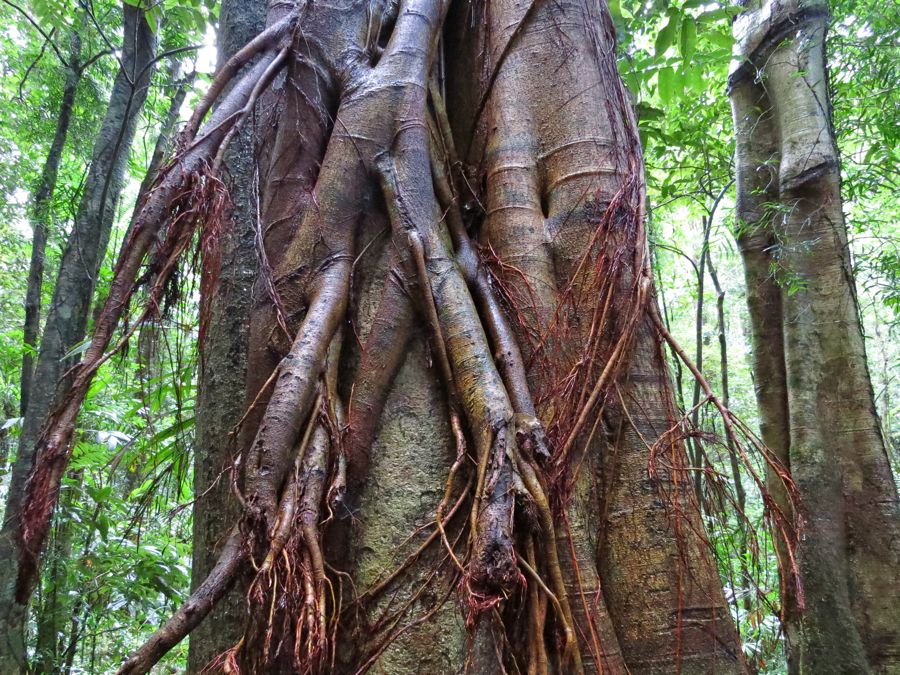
[
  {"x": 537, "y": 617},
  {"x": 382, "y": 355},
  {"x": 492, "y": 571},
  {"x": 268, "y": 458},
  {"x": 241, "y": 115},
  {"x": 289, "y": 591},
  {"x": 571, "y": 654},
  {"x": 268, "y": 40},
  {"x": 504, "y": 342},
  {"x": 291, "y": 496},
  {"x": 279, "y": 432},
  {"x": 477, "y": 384}
]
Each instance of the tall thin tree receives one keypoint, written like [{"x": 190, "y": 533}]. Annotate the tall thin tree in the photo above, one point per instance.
[
  {"x": 67, "y": 317},
  {"x": 40, "y": 217}
]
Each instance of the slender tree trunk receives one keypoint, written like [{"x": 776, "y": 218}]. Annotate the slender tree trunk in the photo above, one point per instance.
[
  {"x": 41, "y": 216},
  {"x": 815, "y": 395},
  {"x": 223, "y": 354},
  {"x": 698, "y": 457},
  {"x": 55, "y": 614},
  {"x": 68, "y": 314}
]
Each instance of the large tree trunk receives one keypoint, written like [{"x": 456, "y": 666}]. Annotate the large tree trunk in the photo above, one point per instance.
[
  {"x": 68, "y": 315},
  {"x": 460, "y": 449},
  {"x": 816, "y": 403},
  {"x": 224, "y": 358}
]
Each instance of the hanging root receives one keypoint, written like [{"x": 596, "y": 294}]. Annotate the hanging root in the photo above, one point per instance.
[
  {"x": 183, "y": 199},
  {"x": 788, "y": 525}
]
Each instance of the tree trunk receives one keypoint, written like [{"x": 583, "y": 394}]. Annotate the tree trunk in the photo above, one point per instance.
[
  {"x": 460, "y": 449},
  {"x": 40, "y": 219},
  {"x": 816, "y": 402},
  {"x": 68, "y": 314},
  {"x": 224, "y": 359}
]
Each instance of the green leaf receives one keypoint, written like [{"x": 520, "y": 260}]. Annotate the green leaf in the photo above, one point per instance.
[
  {"x": 688, "y": 37},
  {"x": 666, "y": 83},
  {"x": 102, "y": 523},
  {"x": 648, "y": 112},
  {"x": 666, "y": 35},
  {"x": 721, "y": 14},
  {"x": 719, "y": 38},
  {"x": 693, "y": 77}
]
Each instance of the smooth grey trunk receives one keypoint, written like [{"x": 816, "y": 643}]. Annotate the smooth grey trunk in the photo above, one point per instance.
[
  {"x": 224, "y": 358},
  {"x": 40, "y": 219},
  {"x": 816, "y": 401},
  {"x": 68, "y": 315}
]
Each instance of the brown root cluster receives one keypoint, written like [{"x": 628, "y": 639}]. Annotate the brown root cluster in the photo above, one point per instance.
[{"x": 500, "y": 531}]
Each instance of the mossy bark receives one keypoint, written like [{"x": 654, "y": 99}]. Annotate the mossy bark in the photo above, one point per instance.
[{"x": 813, "y": 385}]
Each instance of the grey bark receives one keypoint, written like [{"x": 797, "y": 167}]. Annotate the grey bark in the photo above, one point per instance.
[
  {"x": 68, "y": 315},
  {"x": 814, "y": 390},
  {"x": 40, "y": 219},
  {"x": 224, "y": 356}
]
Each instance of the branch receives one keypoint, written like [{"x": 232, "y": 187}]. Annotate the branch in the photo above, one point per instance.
[{"x": 46, "y": 36}]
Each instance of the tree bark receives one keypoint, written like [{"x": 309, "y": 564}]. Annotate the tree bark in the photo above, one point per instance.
[
  {"x": 224, "y": 359},
  {"x": 815, "y": 395},
  {"x": 68, "y": 315},
  {"x": 455, "y": 378},
  {"x": 40, "y": 219}
]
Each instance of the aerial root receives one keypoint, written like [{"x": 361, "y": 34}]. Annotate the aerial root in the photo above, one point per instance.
[
  {"x": 193, "y": 611},
  {"x": 571, "y": 654},
  {"x": 786, "y": 526},
  {"x": 266, "y": 41},
  {"x": 291, "y": 495},
  {"x": 537, "y": 617},
  {"x": 241, "y": 115},
  {"x": 186, "y": 196}
]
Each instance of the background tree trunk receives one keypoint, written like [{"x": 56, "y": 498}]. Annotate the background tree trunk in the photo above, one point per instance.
[
  {"x": 41, "y": 217},
  {"x": 813, "y": 386},
  {"x": 68, "y": 315}
]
